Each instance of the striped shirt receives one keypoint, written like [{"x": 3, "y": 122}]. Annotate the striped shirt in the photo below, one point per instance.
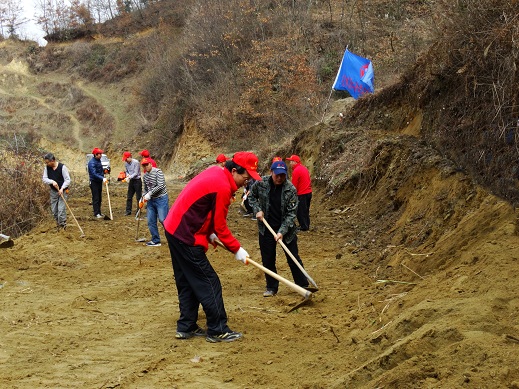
[{"x": 155, "y": 183}]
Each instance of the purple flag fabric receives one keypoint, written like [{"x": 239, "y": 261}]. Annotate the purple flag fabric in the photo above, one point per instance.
[{"x": 355, "y": 75}]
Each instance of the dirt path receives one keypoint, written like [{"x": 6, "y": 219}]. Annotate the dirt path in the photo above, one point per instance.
[{"x": 100, "y": 312}]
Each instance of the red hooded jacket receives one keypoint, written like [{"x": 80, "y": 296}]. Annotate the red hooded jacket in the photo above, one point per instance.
[
  {"x": 201, "y": 209},
  {"x": 301, "y": 179}
]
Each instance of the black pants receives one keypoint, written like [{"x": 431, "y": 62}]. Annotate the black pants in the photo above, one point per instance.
[
  {"x": 197, "y": 283},
  {"x": 268, "y": 258},
  {"x": 96, "y": 187},
  {"x": 134, "y": 188},
  {"x": 303, "y": 211}
]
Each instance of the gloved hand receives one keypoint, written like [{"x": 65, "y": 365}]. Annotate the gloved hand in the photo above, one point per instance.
[
  {"x": 141, "y": 203},
  {"x": 147, "y": 196},
  {"x": 212, "y": 240},
  {"x": 105, "y": 180},
  {"x": 127, "y": 179},
  {"x": 241, "y": 255}
]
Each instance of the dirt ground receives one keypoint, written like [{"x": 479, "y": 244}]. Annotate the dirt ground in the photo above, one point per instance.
[{"x": 101, "y": 311}]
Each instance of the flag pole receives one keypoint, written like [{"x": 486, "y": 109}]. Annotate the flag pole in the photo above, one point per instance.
[
  {"x": 326, "y": 106},
  {"x": 330, "y": 96}
]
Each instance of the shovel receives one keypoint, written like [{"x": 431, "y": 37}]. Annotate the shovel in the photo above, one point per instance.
[
  {"x": 5, "y": 241},
  {"x": 80, "y": 229},
  {"x": 138, "y": 218},
  {"x": 291, "y": 255},
  {"x": 307, "y": 295},
  {"x": 109, "y": 204}
]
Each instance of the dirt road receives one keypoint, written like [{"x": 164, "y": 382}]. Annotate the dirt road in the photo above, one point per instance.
[{"x": 101, "y": 311}]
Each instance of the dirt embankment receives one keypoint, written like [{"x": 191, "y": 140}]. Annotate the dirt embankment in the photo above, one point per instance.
[{"x": 417, "y": 269}]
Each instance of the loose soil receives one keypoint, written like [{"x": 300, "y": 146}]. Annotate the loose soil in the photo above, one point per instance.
[{"x": 101, "y": 311}]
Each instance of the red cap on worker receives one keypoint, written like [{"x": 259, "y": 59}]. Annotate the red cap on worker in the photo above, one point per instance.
[
  {"x": 248, "y": 161},
  {"x": 221, "y": 158},
  {"x": 294, "y": 158},
  {"x": 126, "y": 155},
  {"x": 145, "y": 161},
  {"x": 145, "y": 153},
  {"x": 97, "y": 151}
]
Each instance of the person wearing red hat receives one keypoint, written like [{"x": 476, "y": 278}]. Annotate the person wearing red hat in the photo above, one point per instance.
[
  {"x": 146, "y": 154},
  {"x": 97, "y": 179},
  {"x": 274, "y": 199},
  {"x": 133, "y": 178},
  {"x": 157, "y": 198},
  {"x": 198, "y": 217},
  {"x": 221, "y": 159},
  {"x": 303, "y": 183}
]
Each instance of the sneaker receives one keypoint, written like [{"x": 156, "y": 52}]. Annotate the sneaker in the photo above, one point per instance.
[
  {"x": 187, "y": 335},
  {"x": 227, "y": 337},
  {"x": 254, "y": 218},
  {"x": 269, "y": 293},
  {"x": 151, "y": 243},
  {"x": 99, "y": 216},
  {"x": 127, "y": 213},
  {"x": 247, "y": 215}
]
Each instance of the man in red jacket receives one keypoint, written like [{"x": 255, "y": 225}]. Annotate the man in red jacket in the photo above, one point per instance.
[
  {"x": 303, "y": 183},
  {"x": 197, "y": 218}
]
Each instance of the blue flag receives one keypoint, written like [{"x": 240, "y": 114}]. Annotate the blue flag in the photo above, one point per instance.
[{"x": 355, "y": 75}]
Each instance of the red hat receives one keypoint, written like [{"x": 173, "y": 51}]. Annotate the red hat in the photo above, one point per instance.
[
  {"x": 145, "y": 161},
  {"x": 126, "y": 155},
  {"x": 248, "y": 161},
  {"x": 97, "y": 151},
  {"x": 294, "y": 158},
  {"x": 145, "y": 153},
  {"x": 221, "y": 158}
]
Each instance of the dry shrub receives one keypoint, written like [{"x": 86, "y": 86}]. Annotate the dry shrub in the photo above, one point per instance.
[
  {"x": 467, "y": 87},
  {"x": 25, "y": 198},
  {"x": 95, "y": 116}
]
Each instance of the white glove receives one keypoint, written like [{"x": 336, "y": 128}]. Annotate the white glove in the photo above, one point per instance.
[
  {"x": 104, "y": 180},
  {"x": 127, "y": 179},
  {"x": 212, "y": 237},
  {"x": 147, "y": 196},
  {"x": 241, "y": 255}
]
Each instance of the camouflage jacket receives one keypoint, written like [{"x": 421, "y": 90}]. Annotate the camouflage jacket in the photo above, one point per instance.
[{"x": 259, "y": 201}]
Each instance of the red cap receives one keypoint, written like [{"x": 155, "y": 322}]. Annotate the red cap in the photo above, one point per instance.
[
  {"x": 294, "y": 158},
  {"x": 248, "y": 161},
  {"x": 145, "y": 161},
  {"x": 221, "y": 158},
  {"x": 97, "y": 151},
  {"x": 145, "y": 153},
  {"x": 126, "y": 155},
  {"x": 275, "y": 159}
]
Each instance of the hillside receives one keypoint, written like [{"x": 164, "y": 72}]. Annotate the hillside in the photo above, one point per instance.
[
  {"x": 417, "y": 274},
  {"x": 415, "y": 235}
]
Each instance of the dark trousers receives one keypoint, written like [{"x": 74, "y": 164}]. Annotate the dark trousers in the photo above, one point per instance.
[
  {"x": 247, "y": 206},
  {"x": 268, "y": 258},
  {"x": 197, "y": 283},
  {"x": 134, "y": 188},
  {"x": 303, "y": 211},
  {"x": 96, "y": 188}
]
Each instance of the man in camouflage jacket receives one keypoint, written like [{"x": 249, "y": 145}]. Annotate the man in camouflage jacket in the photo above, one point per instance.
[{"x": 275, "y": 199}]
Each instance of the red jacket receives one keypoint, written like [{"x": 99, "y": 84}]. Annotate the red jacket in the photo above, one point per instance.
[
  {"x": 301, "y": 179},
  {"x": 201, "y": 209}
]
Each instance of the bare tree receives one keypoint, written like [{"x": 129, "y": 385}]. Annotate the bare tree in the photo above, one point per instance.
[{"x": 11, "y": 17}]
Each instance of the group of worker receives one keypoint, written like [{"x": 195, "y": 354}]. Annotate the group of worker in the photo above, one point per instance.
[{"x": 198, "y": 217}]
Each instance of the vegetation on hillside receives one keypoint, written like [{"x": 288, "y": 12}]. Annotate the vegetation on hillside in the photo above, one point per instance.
[
  {"x": 24, "y": 200},
  {"x": 466, "y": 88}
]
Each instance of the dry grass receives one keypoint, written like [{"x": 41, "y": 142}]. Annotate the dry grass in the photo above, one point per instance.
[{"x": 25, "y": 198}]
